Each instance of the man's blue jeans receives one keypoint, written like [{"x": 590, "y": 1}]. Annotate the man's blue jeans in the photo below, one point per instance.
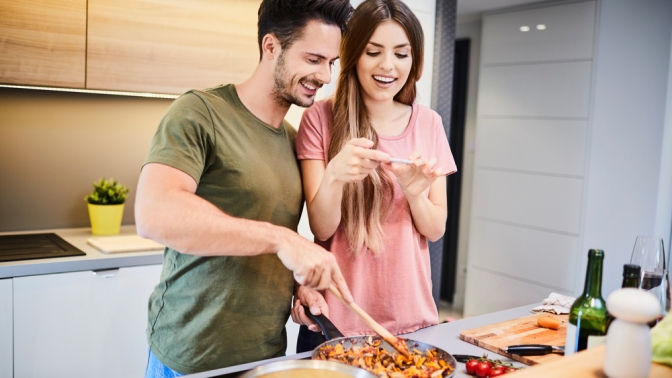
[{"x": 155, "y": 369}]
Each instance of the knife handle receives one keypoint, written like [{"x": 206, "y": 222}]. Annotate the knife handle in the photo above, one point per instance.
[{"x": 529, "y": 349}]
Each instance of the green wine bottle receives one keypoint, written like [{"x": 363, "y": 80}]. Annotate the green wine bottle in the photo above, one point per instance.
[
  {"x": 588, "y": 317},
  {"x": 631, "y": 275}
]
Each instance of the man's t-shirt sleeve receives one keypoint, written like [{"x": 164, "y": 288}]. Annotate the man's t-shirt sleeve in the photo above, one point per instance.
[{"x": 184, "y": 137}]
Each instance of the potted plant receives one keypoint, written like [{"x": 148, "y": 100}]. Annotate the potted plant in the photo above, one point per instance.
[{"x": 106, "y": 206}]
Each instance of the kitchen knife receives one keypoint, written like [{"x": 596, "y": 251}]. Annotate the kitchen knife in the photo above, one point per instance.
[
  {"x": 464, "y": 357},
  {"x": 533, "y": 349}
]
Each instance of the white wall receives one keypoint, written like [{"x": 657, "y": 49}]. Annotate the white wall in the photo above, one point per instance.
[{"x": 624, "y": 183}]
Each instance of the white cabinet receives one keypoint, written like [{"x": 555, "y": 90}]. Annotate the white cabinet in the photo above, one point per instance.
[
  {"x": 82, "y": 324},
  {"x": 6, "y": 339}
]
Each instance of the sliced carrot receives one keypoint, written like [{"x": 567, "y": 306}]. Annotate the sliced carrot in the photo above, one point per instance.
[{"x": 548, "y": 322}]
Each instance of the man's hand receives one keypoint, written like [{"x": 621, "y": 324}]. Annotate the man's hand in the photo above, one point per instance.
[
  {"x": 315, "y": 301},
  {"x": 312, "y": 265}
]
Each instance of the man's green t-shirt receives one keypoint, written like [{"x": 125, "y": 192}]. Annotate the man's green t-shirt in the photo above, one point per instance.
[{"x": 214, "y": 312}]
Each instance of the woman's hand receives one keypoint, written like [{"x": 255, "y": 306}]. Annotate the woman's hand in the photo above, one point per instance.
[
  {"x": 355, "y": 161},
  {"x": 415, "y": 178}
]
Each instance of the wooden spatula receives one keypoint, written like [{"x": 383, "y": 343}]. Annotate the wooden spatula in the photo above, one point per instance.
[{"x": 397, "y": 343}]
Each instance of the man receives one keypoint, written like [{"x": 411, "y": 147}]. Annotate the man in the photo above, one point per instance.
[{"x": 221, "y": 188}]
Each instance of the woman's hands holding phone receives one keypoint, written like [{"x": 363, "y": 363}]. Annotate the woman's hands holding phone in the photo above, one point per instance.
[
  {"x": 355, "y": 161},
  {"x": 415, "y": 178}
]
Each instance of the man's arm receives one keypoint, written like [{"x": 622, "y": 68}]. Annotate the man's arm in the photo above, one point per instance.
[{"x": 168, "y": 211}]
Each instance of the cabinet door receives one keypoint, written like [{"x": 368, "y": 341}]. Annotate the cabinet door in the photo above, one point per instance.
[
  {"x": 6, "y": 338},
  {"x": 170, "y": 46},
  {"x": 82, "y": 324},
  {"x": 43, "y": 42}
]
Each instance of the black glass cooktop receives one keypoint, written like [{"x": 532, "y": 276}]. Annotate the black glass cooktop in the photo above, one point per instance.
[{"x": 35, "y": 246}]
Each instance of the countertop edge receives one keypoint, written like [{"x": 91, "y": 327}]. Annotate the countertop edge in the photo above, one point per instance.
[{"x": 94, "y": 259}]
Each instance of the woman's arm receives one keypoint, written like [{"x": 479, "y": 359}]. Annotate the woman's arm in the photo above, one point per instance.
[
  {"x": 429, "y": 212},
  {"x": 323, "y": 185}
]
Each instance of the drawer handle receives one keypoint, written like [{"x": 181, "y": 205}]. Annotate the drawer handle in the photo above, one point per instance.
[{"x": 106, "y": 273}]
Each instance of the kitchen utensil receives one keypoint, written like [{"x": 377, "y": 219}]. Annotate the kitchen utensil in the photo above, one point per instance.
[
  {"x": 307, "y": 369},
  {"x": 496, "y": 337},
  {"x": 399, "y": 345},
  {"x": 649, "y": 254},
  {"x": 400, "y": 161},
  {"x": 534, "y": 349},
  {"x": 335, "y": 337}
]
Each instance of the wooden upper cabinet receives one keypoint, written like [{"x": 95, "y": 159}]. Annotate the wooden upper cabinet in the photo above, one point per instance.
[
  {"x": 43, "y": 42},
  {"x": 170, "y": 46}
]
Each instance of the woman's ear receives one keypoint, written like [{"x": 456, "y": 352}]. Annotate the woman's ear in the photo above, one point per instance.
[{"x": 270, "y": 47}]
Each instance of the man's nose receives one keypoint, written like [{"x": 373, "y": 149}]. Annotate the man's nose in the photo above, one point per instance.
[{"x": 324, "y": 73}]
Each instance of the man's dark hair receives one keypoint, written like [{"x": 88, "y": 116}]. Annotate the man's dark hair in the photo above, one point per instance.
[{"x": 285, "y": 19}]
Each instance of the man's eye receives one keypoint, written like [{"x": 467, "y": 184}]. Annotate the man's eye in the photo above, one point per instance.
[{"x": 372, "y": 53}]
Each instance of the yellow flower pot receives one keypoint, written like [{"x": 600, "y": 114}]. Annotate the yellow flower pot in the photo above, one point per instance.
[{"x": 105, "y": 219}]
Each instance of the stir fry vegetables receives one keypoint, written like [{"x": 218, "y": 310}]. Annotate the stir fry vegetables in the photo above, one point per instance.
[{"x": 374, "y": 358}]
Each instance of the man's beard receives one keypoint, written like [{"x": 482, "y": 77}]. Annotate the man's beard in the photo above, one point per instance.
[{"x": 282, "y": 86}]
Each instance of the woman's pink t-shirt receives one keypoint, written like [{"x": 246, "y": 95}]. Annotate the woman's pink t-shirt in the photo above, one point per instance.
[{"x": 395, "y": 286}]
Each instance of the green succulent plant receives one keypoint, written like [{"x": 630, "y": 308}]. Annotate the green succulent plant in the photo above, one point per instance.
[{"x": 107, "y": 192}]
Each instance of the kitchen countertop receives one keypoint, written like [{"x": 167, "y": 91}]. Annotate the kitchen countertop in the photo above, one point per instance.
[
  {"x": 94, "y": 259},
  {"x": 445, "y": 336}
]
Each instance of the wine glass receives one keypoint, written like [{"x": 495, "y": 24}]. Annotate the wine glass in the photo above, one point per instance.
[{"x": 649, "y": 254}]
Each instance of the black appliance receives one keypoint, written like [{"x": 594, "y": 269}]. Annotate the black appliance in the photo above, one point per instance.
[{"x": 35, "y": 246}]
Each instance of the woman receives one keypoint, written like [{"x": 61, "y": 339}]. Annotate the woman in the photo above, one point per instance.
[{"x": 375, "y": 216}]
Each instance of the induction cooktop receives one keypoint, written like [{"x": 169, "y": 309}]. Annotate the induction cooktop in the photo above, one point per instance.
[{"x": 35, "y": 246}]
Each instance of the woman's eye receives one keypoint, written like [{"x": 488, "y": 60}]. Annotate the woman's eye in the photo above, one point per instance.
[
  {"x": 313, "y": 61},
  {"x": 402, "y": 56},
  {"x": 372, "y": 53}
]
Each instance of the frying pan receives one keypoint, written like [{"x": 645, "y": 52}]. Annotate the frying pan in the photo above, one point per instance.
[{"x": 334, "y": 337}]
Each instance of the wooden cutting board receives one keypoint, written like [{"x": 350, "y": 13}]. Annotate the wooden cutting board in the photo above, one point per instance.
[{"x": 496, "y": 337}]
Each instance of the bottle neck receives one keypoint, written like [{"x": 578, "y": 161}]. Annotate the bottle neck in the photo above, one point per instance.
[{"x": 593, "y": 286}]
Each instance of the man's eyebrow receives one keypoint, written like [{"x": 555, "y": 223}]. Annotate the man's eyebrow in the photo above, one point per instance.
[
  {"x": 319, "y": 56},
  {"x": 396, "y": 47}
]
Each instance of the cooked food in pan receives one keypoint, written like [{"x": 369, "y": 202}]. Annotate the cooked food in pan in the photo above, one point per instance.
[{"x": 373, "y": 357}]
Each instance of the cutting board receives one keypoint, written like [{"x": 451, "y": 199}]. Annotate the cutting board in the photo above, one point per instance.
[
  {"x": 123, "y": 243},
  {"x": 496, "y": 337}
]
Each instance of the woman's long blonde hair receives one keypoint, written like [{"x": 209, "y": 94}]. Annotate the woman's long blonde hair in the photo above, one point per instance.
[{"x": 366, "y": 204}]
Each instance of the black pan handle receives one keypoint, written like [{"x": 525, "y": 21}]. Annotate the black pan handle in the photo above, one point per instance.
[
  {"x": 329, "y": 329},
  {"x": 529, "y": 349}
]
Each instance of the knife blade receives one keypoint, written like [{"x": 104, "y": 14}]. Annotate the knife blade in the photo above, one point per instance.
[{"x": 534, "y": 349}]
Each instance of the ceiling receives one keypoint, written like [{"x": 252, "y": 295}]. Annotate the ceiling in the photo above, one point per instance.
[{"x": 473, "y": 8}]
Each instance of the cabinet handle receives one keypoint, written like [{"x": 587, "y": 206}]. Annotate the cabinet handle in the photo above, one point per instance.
[{"x": 106, "y": 273}]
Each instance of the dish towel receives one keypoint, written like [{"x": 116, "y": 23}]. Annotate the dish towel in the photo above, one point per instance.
[{"x": 556, "y": 303}]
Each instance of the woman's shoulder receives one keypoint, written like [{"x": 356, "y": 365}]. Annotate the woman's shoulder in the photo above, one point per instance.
[{"x": 320, "y": 112}]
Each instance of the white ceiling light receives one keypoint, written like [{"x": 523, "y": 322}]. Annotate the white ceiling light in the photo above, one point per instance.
[
  {"x": 524, "y": 28},
  {"x": 541, "y": 27}
]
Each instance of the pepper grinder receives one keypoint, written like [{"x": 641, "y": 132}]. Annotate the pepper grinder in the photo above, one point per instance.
[{"x": 628, "y": 353}]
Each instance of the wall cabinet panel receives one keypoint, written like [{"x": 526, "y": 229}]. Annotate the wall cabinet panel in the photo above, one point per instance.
[
  {"x": 43, "y": 42},
  {"x": 535, "y": 90},
  {"x": 538, "y": 145},
  {"x": 568, "y": 34},
  {"x": 543, "y": 257},
  {"x": 489, "y": 292},
  {"x": 170, "y": 46},
  {"x": 543, "y": 202},
  {"x": 82, "y": 324}
]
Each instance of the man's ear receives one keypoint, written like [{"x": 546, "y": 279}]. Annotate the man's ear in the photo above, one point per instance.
[{"x": 270, "y": 47}]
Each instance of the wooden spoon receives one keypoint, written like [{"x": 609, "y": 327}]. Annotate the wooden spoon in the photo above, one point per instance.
[{"x": 396, "y": 343}]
